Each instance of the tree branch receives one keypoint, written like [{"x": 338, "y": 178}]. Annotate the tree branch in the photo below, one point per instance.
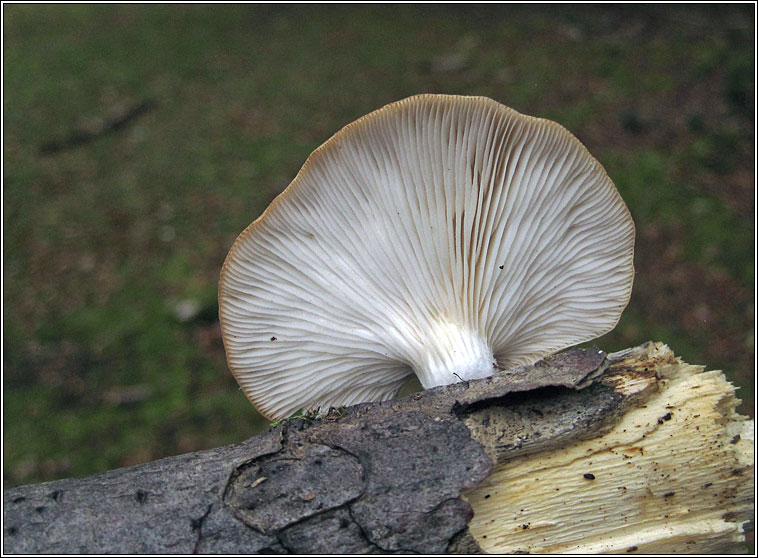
[{"x": 416, "y": 474}]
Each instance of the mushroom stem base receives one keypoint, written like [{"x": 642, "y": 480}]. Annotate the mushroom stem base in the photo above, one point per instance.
[{"x": 454, "y": 354}]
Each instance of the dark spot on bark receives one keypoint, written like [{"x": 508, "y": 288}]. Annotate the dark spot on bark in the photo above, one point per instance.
[
  {"x": 631, "y": 549},
  {"x": 708, "y": 485},
  {"x": 487, "y": 496},
  {"x": 40, "y": 509},
  {"x": 589, "y": 476},
  {"x": 667, "y": 416},
  {"x": 55, "y": 495},
  {"x": 501, "y": 266},
  {"x": 735, "y": 439},
  {"x": 19, "y": 500},
  {"x": 141, "y": 496},
  {"x": 668, "y": 495},
  {"x": 525, "y": 526},
  {"x": 273, "y": 338},
  {"x": 12, "y": 531},
  {"x": 197, "y": 523}
]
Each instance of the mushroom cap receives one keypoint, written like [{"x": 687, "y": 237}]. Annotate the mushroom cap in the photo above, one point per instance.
[{"x": 440, "y": 235}]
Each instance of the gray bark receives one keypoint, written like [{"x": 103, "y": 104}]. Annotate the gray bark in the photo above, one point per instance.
[{"x": 373, "y": 478}]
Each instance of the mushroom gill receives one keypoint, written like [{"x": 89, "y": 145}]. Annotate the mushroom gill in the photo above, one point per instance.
[{"x": 440, "y": 236}]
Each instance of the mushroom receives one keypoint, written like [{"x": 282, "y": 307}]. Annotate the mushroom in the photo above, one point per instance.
[{"x": 443, "y": 236}]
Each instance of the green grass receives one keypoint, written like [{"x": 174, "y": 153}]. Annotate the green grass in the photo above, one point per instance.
[{"x": 106, "y": 244}]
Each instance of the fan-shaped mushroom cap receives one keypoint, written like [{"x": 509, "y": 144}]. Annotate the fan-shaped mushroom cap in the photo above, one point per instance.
[{"x": 443, "y": 236}]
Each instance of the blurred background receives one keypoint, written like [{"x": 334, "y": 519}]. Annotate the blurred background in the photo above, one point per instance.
[{"x": 140, "y": 140}]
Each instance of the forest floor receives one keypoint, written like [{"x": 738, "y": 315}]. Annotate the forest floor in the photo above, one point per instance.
[{"x": 140, "y": 140}]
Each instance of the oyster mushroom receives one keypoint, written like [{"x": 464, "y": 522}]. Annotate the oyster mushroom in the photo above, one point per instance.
[{"x": 442, "y": 236}]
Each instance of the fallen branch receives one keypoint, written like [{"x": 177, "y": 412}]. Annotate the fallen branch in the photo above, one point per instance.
[
  {"x": 81, "y": 136},
  {"x": 674, "y": 475},
  {"x": 565, "y": 455}
]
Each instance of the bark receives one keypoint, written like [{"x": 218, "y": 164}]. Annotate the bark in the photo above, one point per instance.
[{"x": 395, "y": 477}]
